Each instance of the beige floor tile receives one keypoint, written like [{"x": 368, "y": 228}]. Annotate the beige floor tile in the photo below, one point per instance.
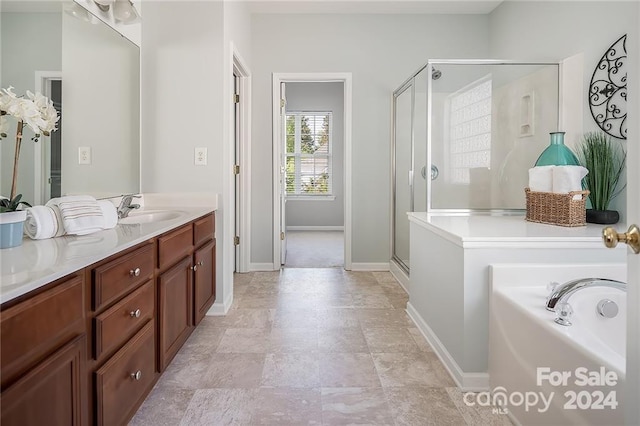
[
  {"x": 384, "y": 277},
  {"x": 240, "y": 279},
  {"x": 287, "y": 406},
  {"x": 291, "y": 370},
  {"x": 335, "y": 300},
  {"x": 365, "y": 287},
  {"x": 342, "y": 340},
  {"x": 205, "y": 338},
  {"x": 348, "y": 406},
  {"x": 267, "y": 276},
  {"x": 390, "y": 340},
  {"x": 257, "y": 301},
  {"x": 420, "y": 340},
  {"x": 348, "y": 370},
  {"x": 373, "y": 300},
  {"x": 217, "y": 370},
  {"x": 297, "y": 301},
  {"x": 398, "y": 301},
  {"x": 260, "y": 289},
  {"x": 220, "y": 407},
  {"x": 411, "y": 369},
  {"x": 423, "y": 406},
  {"x": 337, "y": 318},
  {"x": 243, "y": 318},
  {"x": 163, "y": 407},
  {"x": 358, "y": 276},
  {"x": 384, "y": 318},
  {"x": 295, "y": 318},
  {"x": 476, "y": 415},
  {"x": 293, "y": 340},
  {"x": 244, "y": 340}
]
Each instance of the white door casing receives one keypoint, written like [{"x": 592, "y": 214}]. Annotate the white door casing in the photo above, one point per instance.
[
  {"x": 283, "y": 174},
  {"x": 277, "y": 79}
]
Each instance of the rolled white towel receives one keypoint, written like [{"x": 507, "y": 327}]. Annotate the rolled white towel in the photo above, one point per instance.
[
  {"x": 81, "y": 214},
  {"x": 109, "y": 213},
  {"x": 568, "y": 178},
  {"x": 541, "y": 179},
  {"x": 43, "y": 222}
]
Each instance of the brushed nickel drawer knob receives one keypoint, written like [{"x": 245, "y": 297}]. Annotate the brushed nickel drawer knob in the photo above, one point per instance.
[
  {"x": 135, "y": 314},
  {"x": 137, "y": 375},
  {"x": 201, "y": 263},
  {"x": 134, "y": 272},
  {"x": 194, "y": 268}
]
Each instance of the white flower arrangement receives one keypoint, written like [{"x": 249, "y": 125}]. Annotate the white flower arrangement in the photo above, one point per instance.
[{"x": 36, "y": 111}]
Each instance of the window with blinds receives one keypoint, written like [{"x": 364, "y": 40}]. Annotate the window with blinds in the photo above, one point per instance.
[
  {"x": 308, "y": 154},
  {"x": 469, "y": 131}
]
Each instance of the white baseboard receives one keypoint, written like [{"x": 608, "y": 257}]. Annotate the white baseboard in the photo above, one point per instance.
[
  {"x": 315, "y": 228},
  {"x": 467, "y": 382},
  {"x": 221, "y": 308},
  {"x": 382, "y": 266},
  {"x": 400, "y": 275},
  {"x": 261, "y": 267}
]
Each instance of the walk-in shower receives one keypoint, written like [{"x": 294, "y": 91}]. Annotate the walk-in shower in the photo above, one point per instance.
[{"x": 465, "y": 133}]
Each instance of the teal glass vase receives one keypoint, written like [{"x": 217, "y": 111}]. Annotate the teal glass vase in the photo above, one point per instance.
[{"x": 557, "y": 153}]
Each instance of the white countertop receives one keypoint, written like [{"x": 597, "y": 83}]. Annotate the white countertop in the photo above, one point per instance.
[
  {"x": 479, "y": 231},
  {"x": 39, "y": 262}
]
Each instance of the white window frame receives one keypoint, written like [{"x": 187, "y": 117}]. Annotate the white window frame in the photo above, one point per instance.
[{"x": 298, "y": 156}]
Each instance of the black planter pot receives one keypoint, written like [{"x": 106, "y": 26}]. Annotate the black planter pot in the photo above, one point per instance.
[{"x": 602, "y": 217}]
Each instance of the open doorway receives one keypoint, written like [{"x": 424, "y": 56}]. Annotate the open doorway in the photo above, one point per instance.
[
  {"x": 312, "y": 146},
  {"x": 314, "y": 174}
]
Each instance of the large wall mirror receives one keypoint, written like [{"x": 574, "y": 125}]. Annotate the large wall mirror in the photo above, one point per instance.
[{"x": 92, "y": 73}]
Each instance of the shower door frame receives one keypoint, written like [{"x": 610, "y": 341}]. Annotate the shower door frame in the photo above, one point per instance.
[
  {"x": 431, "y": 63},
  {"x": 408, "y": 84}
]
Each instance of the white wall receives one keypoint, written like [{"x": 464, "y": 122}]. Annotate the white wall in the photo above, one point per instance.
[
  {"x": 25, "y": 50},
  {"x": 554, "y": 30},
  {"x": 320, "y": 97},
  {"x": 381, "y": 51},
  {"x": 186, "y": 66}
]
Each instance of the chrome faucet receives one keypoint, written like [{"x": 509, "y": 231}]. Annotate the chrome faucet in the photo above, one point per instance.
[
  {"x": 563, "y": 292},
  {"x": 125, "y": 206}
]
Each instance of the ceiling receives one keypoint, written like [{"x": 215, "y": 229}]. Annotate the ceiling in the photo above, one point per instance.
[
  {"x": 374, "y": 6},
  {"x": 310, "y": 6}
]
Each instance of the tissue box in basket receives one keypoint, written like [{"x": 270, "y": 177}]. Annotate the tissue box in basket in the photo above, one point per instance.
[{"x": 556, "y": 209}]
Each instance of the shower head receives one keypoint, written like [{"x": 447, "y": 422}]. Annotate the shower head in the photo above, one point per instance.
[{"x": 436, "y": 74}]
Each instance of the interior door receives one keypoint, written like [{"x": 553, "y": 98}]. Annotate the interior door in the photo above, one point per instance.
[
  {"x": 283, "y": 175},
  {"x": 236, "y": 162}
]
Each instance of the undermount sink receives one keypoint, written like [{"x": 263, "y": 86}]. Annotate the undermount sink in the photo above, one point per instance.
[{"x": 148, "y": 216}]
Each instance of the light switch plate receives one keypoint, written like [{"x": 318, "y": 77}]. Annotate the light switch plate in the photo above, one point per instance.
[
  {"x": 200, "y": 158},
  {"x": 84, "y": 155}
]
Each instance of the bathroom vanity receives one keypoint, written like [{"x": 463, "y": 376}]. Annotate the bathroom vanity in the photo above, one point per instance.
[
  {"x": 89, "y": 323},
  {"x": 450, "y": 277}
]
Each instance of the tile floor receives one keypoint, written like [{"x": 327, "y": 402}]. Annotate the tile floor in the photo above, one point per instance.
[{"x": 310, "y": 347}]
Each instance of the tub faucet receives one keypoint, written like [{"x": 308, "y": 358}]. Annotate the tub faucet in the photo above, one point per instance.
[
  {"x": 563, "y": 292},
  {"x": 125, "y": 206}
]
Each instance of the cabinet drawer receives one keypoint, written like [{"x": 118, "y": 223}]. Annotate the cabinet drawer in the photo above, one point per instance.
[
  {"x": 120, "y": 275},
  {"x": 125, "y": 379},
  {"x": 39, "y": 325},
  {"x": 174, "y": 246},
  {"x": 115, "y": 325},
  {"x": 203, "y": 229}
]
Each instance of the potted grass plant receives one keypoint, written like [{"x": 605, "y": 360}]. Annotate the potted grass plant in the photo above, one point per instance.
[{"x": 605, "y": 160}]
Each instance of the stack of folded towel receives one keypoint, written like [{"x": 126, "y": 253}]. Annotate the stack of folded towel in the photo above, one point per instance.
[
  {"x": 557, "y": 179},
  {"x": 73, "y": 215}
]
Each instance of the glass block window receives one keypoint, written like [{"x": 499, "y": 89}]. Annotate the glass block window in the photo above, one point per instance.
[
  {"x": 308, "y": 153},
  {"x": 469, "y": 131}
]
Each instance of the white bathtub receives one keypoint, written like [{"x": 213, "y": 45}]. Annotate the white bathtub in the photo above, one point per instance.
[{"x": 543, "y": 373}]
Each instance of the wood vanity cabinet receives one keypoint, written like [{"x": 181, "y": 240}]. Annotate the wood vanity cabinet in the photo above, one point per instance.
[
  {"x": 123, "y": 368},
  {"x": 43, "y": 354},
  {"x": 87, "y": 348},
  {"x": 186, "y": 283}
]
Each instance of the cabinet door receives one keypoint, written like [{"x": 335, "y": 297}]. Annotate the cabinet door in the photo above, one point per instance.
[
  {"x": 175, "y": 310},
  {"x": 205, "y": 280},
  {"x": 52, "y": 393}
]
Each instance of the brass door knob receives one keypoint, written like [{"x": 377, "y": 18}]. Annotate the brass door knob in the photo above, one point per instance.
[{"x": 631, "y": 238}]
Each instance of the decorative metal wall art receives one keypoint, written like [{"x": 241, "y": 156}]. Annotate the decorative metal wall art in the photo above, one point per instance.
[{"x": 608, "y": 90}]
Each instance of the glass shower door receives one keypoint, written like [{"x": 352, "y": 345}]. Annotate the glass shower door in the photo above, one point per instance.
[{"x": 402, "y": 172}]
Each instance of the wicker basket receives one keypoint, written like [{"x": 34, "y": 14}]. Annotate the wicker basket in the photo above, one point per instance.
[{"x": 556, "y": 209}]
